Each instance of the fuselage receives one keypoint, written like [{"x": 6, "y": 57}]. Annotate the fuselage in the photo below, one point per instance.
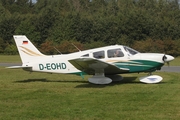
[{"x": 118, "y": 55}]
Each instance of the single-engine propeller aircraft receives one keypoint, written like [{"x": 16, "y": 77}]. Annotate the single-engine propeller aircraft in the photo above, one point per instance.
[{"x": 104, "y": 63}]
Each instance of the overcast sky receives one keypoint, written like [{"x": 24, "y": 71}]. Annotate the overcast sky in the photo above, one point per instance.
[{"x": 33, "y": 1}]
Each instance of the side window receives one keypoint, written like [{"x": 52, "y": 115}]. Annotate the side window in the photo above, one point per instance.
[
  {"x": 86, "y": 55},
  {"x": 115, "y": 53},
  {"x": 98, "y": 55}
]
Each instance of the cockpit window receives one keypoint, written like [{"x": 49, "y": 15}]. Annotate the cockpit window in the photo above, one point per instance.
[
  {"x": 130, "y": 50},
  {"x": 99, "y": 54},
  {"x": 86, "y": 55},
  {"x": 115, "y": 53}
]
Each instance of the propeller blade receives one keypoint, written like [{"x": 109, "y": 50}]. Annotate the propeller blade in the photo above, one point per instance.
[{"x": 164, "y": 58}]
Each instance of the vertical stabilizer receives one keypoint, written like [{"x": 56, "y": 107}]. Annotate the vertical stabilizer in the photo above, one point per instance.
[{"x": 28, "y": 52}]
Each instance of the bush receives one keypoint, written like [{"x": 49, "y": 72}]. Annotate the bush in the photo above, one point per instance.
[
  {"x": 70, "y": 46},
  {"x": 11, "y": 50},
  {"x": 158, "y": 46},
  {"x": 47, "y": 48}
]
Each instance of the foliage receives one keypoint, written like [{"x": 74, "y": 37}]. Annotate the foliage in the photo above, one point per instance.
[
  {"x": 10, "y": 50},
  {"x": 70, "y": 46},
  {"x": 2, "y": 46},
  {"x": 162, "y": 46},
  {"x": 94, "y": 44},
  {"x": 128, "y": 22},
  {"x": 47, "y": 47}
]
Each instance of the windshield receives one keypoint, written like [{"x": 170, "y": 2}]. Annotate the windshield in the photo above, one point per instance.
[{"x": 130, "y": 50}]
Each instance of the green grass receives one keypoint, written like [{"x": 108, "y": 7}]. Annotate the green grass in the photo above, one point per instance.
[
  {"x": 10, "y": 59},
  {"x": 175, "y": 62},
  {"x": 56, "y": 96}
]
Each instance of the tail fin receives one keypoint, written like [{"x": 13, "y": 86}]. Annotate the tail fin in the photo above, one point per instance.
[{"x": 28, "y": 52}]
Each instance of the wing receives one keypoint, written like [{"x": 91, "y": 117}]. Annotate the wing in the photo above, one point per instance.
[{"x": 90, "y": 65}]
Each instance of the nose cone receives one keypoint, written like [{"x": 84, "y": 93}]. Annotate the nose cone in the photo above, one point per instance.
[{"x": 168, "y": 58}]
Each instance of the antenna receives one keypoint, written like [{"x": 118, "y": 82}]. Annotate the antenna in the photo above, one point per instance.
[
  {"x": 76, "y": 47},
  {"x": 57, "y": 50}
]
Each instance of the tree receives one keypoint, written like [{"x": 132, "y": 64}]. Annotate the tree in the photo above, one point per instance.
[
  {"x": 28, "y": 28},
  {"x": 101, "y": 21},
  {"x": 2, "y": 46},
  {"x": 67, "y": 47},
  {"x": 47, "y": 47},
  {"x": 8, "y": 26},
  {"x": 44, "y": 23},
  {"x": 4, "y": 13}
]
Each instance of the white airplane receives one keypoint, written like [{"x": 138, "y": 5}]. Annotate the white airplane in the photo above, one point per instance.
[{"x": 104, "y": 63}]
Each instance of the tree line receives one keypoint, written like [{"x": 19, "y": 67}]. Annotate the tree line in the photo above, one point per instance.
[{"x": 146, "y": 25}]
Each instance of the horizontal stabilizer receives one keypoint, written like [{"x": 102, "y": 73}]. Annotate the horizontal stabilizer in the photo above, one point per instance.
[{"x": 27, "y": 68}]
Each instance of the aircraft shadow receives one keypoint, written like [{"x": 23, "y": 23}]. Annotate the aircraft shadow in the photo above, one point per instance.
[
  {"x": 31, "y": 80},
  {"x": 45, "y": 80},
  {"x": 129, "y": 80},
  {"x": 86, "y": 84},
  {"x": 126, "y": 80}
]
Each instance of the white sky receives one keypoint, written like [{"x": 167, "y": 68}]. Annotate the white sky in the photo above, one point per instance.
[{"x": 33, "y": 1}]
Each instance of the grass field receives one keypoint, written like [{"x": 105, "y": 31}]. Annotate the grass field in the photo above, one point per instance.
[
  {"x": 10, "y": 59},
  {"x": 46, "y": 96},
  {"x": 37, "y": 96}
]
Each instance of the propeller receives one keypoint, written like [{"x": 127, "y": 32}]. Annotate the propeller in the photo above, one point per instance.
[
  {"x": 167, "y": 58},
  {"x": 164, "y": 58}
]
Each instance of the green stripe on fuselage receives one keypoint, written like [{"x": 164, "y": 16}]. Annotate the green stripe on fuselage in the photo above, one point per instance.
[{"x": 140, "y": 65}]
